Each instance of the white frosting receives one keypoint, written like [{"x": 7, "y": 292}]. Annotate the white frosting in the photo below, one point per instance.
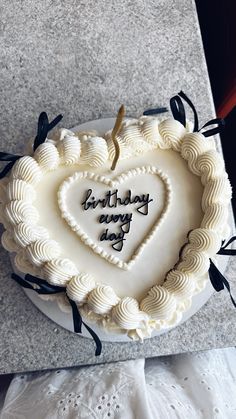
[
  {"x": 127, "y": 314},
  {"x": 23, "y": 264},
  {"x": 21, "y": 211},
  {"x": 138, "y": 137},
  {"x": 226, "y": 231},
  {"x": 217, "y": 191},
  {"x": 69, "y": 149},
  {"x": 215, "y": 217},
  {"x": 25, "y": 233},
  {"x": 63, "y": 132},
  {"x": 26, "y": 168},
  {"x": 85, "y": 135},
  {"x": 205, "y": 240},
  {"x": 172, "y": 132},
  {"x": 18, "y": 189},
  {"x": 193, "y": 146},
  {"x": 150, "y": 131},
  {"x": 47, "y": 156},
  {"x": 79, "y": 287},
  {"x": 8, "y": 242},
  {"x": 128, "y": 122},
  {"x": 159, "y": 303},
  {"x": 125, "y": 151},
  {"x": 59, "y": 271},
  {"x": 94, "y": 152},
  {"x": 180, "y": 284},
  {"x": 113, "y": 183},
  {"x": 102, "y": 299},
  {"x": 194, "y": 261},
  {"x": 61, "y": 300},
  {"x": 43, "y": 256},
  {"x": 132, "y": 136},
  {"x": 210, "y": 165},
  {"x": 42, "y": 251}
]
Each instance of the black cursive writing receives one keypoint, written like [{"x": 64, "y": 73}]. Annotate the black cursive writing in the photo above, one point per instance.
[{"x": 112, "y": 200}]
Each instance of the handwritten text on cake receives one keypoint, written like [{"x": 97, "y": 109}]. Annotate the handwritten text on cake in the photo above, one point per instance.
[{"x": 111, "y": 199}]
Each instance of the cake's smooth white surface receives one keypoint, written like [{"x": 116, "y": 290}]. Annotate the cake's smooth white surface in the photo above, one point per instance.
[{"x": 193, "y": 194}]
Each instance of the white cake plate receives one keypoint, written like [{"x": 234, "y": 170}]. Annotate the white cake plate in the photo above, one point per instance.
[{"x": 51, "y": 308}]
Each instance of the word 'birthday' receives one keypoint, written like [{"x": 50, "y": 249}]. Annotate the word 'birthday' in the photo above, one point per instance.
[{"x": 111, "y": 199}]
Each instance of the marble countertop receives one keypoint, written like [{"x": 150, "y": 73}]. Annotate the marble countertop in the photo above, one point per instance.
[{"x": 83, "y": 59}]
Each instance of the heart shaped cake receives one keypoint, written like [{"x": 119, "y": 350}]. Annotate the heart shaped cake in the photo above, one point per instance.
[{"x": 128, "y": 247}]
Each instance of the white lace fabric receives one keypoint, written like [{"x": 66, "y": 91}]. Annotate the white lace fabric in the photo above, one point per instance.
[{"x": 201, "y": 385}]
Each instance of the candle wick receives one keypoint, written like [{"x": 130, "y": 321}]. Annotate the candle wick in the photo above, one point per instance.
[{"x": 115, "y": 132}]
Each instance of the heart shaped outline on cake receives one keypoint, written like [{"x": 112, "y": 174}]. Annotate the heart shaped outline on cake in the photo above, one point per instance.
[{"x": 113, "y": 183}]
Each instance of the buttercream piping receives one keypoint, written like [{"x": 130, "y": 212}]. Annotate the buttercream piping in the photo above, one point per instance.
[
  {"x": 20, "y": 218},
  {"x": 62, "y": 201}
]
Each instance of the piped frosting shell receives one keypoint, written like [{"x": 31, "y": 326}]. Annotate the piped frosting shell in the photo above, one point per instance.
[
  {"x": 21, "y": 211},
  {"x": 18, "y": 189},
  {"x": 215, "y": 217},
  {"x": 25, "y": 233},
  {"x": 194, "y": 262},
  {"x": 133, "y": 138},
  {"x": 79, "y": 287},
  {"x": 23, "y": 264},
  {"x": 172, "y": 132},
  {"x": 94, "y": 152},
  {"x": 217, "y": 191},
  {"x": 159, "y": 303},
  {"x": 47, "y": 156},
  {"x": 42, "y": 251},
  {"x": 180, "y": 284},
  {"x": 128, "y": 315},
  {"x": 27, "y": 169},
  {"x": 210, "y": 165},
  {"x": 150, "y": 131},
  {"x": 8, "y": 242},
  {"x": 102, "y": 299},
  {"x": 125, "y": 150},
  {"x": 69, "y": 149},
  {"x": 59, "y": 271},
  {"x": 193, "y": 146},
  {"x": 205, "y": 240}
]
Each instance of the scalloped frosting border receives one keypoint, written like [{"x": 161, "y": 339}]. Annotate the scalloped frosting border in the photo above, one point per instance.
[
  {"x": 115, "y": 182},
  {"x": 36, "y": 253}
]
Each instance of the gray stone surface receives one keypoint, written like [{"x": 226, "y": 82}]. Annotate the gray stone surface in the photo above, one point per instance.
[{"x": 83, "y": 59}]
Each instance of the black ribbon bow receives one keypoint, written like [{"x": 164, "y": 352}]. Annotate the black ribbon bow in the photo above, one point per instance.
[
  {"x": 155, "y": 111},
  {"x": 43, "y": 128},
  {"x": 178, "y": 112},
  {"x": 218, "y": 281},
  {"x": 12, "y": 158},
  {"x": 42, "y": 287}
]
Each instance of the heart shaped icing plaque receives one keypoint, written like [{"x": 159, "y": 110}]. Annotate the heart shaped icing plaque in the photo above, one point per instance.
[{"x": 116, "y": 217}]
